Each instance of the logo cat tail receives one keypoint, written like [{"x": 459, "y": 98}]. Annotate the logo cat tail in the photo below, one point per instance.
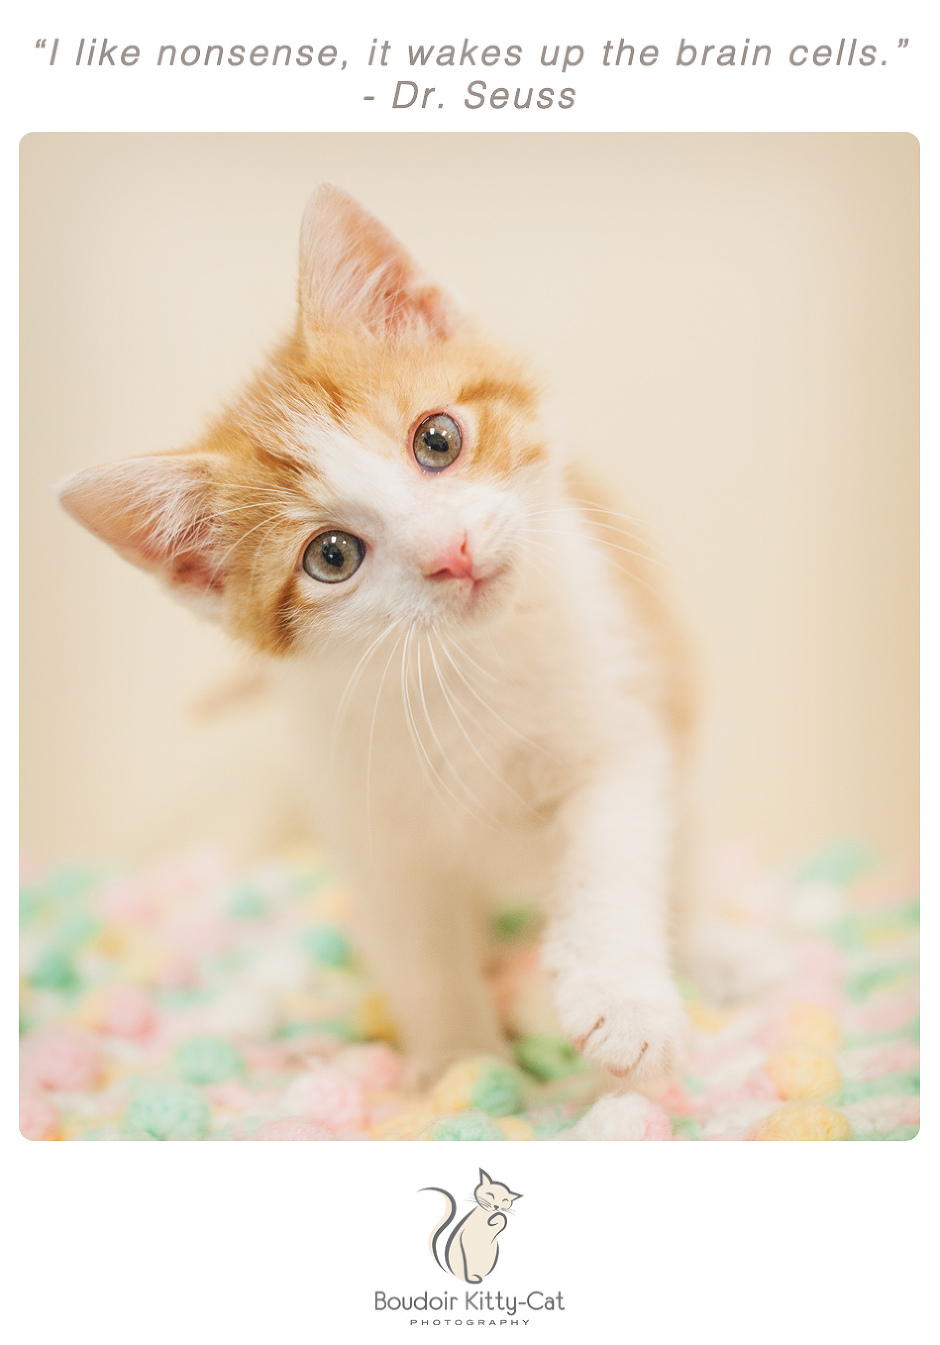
[{"x": 449, "y": 1212}]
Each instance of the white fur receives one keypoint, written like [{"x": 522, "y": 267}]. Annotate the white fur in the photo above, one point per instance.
[
  {"x": 456, "y": 753},
  {"x": 617, "y": 1117}
]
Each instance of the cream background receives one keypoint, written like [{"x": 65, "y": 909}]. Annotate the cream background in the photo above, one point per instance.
[{"x": 727, "y": 324}]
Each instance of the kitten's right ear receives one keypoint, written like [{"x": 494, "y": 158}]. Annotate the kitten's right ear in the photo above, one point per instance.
[
  {"x": 157, "y": 513},
  {"x": 355, "y": 274}
]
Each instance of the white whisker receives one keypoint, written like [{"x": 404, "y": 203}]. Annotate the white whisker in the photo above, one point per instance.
[
  {"x": 375, "y": 712},
  {"x": 472, "y": 745},
  {"x": 351, "y": 686},
  {"x": 432, "y": 775},
  {"x": 434, "y": 734},
  {"x": 602, "y": 541},
  {"x": 496, "y": 715}
]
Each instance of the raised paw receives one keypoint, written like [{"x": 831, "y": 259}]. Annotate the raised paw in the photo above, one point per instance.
[{"x": 638, "y": 1035}]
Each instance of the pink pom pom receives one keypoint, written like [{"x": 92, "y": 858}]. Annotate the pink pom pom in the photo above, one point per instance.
[
  {"x": 179, "y": 970},
  {"x": 39, "y": 1120},
  {"x": 127, "y": 1011},
  {"x": 657, "y": 1126},
  {"x": 328, "y": 1096},
  {"x": 62, "y": 1061},
  {"x": 293, "y": 1128},
  {"x": 760, "y": 1087},
  {"x": 674, "y": 1098},
  {"x": 232, "y": 1095},
  {"x": 375, "y": 1065}
]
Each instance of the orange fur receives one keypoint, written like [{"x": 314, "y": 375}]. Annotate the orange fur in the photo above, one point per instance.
[
  {"x": 670, "y": 683},
  {"x": 264, "y": 490}
]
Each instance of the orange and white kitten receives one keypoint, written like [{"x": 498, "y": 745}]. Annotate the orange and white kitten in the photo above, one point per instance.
[{"x": 477, "y": 693}]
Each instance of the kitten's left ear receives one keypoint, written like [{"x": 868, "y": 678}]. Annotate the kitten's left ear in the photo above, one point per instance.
[
  {"x": 354, "y": 273},
  {"x": 515, "y": 1195},
  {"x": 158, "y": 513}
]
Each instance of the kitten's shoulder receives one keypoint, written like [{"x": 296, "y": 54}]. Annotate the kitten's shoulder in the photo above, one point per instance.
[{"x": 638, "y": 577}]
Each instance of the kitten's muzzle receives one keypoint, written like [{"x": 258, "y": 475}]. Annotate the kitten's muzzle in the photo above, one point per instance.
[
  {"x": 454, "y": 562},
  {"x": 461, "y": 571}
]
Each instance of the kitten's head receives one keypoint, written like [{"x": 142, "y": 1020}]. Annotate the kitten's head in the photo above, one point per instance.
[
  {"x": 377, "y": 472},
  {"x": 492, "y": 1196}
]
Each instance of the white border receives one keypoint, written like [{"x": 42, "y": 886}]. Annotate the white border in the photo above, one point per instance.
[{"x": 660, "y": 1242}]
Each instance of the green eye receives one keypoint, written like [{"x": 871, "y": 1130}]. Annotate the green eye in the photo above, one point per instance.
[
  {"x": 437, "y": 442},
  {"x": 333, "y": 556}
]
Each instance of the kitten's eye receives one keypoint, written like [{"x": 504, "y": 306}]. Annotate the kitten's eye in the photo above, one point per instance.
[
  {"x": 333, "y": 556},
  {"x": 437, "y": 442}
]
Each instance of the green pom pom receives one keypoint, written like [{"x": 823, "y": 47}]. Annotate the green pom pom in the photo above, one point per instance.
[
  {"x": 30, "y": 905},
  {"x": 208, "y": 1060},
  {"x": 327, "y": 945},
  {"x": 76, "y": 929},
  {"x": 497, "y": 1090},
  {"x": 246, "y": 903},
  {"x": 168, "y": 1111},
  {"x": 70, "y": 881},
  {"x": 54, "y": 971},
  {"x": 516, "y": 922},
  {"x": 174, "y": 1000},
  {"x": 309, "y": 880},
  {"x": 466, "y": 1125},
  {"x": 547, "y": 1057},
  {"x": 841, "y": 863},
  {"x": 550, "y": 1126}
]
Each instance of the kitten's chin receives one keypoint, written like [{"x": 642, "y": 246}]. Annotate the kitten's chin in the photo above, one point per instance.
[{"x": 474, "y": 601}]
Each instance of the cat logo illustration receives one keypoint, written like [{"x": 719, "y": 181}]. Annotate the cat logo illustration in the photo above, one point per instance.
[{"x": 471, "y": 1250}]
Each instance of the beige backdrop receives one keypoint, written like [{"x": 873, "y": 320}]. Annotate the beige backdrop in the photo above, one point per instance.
[{"x": 727, "y": 325}]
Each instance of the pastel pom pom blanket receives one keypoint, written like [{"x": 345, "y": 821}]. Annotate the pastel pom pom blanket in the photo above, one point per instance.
[{"x": 195, "y": 1001}]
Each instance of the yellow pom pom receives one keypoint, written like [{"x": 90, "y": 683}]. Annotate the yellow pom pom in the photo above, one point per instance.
[
  {"x": 516, "y": 1128},
  {"x": 90, "y": 1011},
  {"x": 452, "y": 1091},
  {"x": 804, "y": 1121},
  {"x": 479, "y": 1083},
  {"x": 145, "y": 962},
  {"x": 303, "y": 1004},
  {"x": 375, "y": 1021},
  {"x": 111, "y": 942},
  {"x": 407, "y": 1124},
  {"x": 812, "y": 1025},
  {"x": 802, "y": 1072},
  {"x": 704, "y": 1018}
]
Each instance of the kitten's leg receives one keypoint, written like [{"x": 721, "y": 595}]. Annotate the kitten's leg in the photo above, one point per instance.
[
  {"x": 425, "y": 945},
  {"x": 607, "y": 943}
]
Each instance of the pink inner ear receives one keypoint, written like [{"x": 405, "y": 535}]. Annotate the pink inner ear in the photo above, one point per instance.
[
  {"x": 353, "y": 272},
  {"x": 193, "y": 569},
  {"x": 156, "y": 512}
]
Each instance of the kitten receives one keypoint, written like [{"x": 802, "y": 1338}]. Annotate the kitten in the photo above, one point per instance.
[
  {"x": 478, "y": 695},
  {"x": 471, "y": 1251}
]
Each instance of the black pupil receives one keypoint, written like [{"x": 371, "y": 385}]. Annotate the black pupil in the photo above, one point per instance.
[
  {"x": 436, "y": 441},
  {"x": 332, "y": 553}
]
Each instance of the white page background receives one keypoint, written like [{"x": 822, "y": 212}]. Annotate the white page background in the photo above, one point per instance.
[{"x": 729, "y": 1242}]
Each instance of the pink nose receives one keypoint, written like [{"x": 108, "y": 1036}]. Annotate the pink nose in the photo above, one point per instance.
[{"x": 455, "y": 562}]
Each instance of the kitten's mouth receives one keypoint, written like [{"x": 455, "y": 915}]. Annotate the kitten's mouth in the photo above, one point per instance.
[
  {"x": 459, "y": 568},
  {"x": 473, "y": 589}
]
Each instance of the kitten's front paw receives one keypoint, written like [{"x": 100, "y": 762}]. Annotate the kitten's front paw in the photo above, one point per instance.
[{"x": 638, "y": 1035}]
